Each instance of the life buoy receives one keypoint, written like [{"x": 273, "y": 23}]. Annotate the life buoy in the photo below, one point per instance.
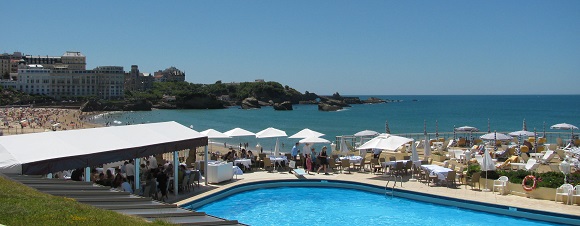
[{"x": 526, "y": 187}]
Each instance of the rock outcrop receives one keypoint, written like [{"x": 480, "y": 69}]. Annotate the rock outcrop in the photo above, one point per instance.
[
  {"x": 284, "y": 106},
  {"x": 128, "y": 105},
  {"x": 322, "y": 106},
  {"x": 250, "y": 103}
]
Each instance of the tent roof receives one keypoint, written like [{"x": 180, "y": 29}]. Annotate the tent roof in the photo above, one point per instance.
[{"x": 48, "y": 152}]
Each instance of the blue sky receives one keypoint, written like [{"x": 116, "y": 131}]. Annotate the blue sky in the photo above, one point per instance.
[{"x": 350, "y": 47}]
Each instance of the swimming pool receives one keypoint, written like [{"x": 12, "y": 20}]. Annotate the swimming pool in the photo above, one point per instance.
[{"x": 324, "y": 203}]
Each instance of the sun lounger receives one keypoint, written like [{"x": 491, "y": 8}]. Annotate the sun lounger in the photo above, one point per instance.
[
  {"x": 547, "y": 158},
  {"x": 299, "y": 173}
]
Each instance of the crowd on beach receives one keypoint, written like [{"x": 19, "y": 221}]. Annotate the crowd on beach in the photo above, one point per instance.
[{"x": 20, "y": 120}]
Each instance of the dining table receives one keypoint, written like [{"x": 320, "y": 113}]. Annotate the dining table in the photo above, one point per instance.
[
  {"x": 352, "y": 159},
  {"x": 435, "y": 170}
]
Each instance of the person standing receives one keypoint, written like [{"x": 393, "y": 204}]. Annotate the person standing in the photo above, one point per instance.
[
  {"x": 130, "y": 172},
  {"x": 295, "y": 151},
  {"x": 323, "y": 158}
]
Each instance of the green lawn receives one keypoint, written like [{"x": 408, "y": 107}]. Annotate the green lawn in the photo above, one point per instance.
[{"x": 22, "y": 205}]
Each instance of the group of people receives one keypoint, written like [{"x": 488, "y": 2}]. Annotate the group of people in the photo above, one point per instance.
[{"x": 318, "y": 161}]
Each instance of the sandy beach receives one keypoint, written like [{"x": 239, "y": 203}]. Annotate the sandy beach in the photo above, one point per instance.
[{"x": 21, "y": 120}]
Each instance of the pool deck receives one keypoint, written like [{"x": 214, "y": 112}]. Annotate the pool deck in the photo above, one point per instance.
[{"x": 460, "y": 192}]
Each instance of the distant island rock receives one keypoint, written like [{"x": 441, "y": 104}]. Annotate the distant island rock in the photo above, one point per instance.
[
  {"x": 250, "y": 103},
  {"x": 284, "y": 106}
]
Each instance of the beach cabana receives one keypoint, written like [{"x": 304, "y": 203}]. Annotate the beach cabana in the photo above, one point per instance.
[{"x": 50, "y": 152}]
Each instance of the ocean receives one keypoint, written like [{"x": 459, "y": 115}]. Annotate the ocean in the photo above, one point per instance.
[{"x": 440, "y": 113}]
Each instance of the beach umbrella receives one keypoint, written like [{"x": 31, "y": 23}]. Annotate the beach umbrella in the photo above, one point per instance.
[
  {"x": 454, "y": 133},
  {"x": 466, "y": 129},
  {"x": 343, "y": 147},
  {"x": 313, "y": 140},
  {"x": 271, "y": 132},
  {"x": 414, "y": 154},
  {"x": 385, "y": 142},
  {"x": 565, "y": 126},
  {"x": 487, "y": 165},
  {"x": 238, "y": 132},
  {"x": 213, "y": 134},
  {"x": 366, "y": 133},
  {"x": 495, "y": 136},
  {"x": 306, "y": 133},
  {"x": 387, "y": 129},
  {"x": 521, "y": 133}
]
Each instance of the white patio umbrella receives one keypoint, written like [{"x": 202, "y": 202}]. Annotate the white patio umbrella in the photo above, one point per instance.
[
  {"x": 385, "y": 142},
  {"x": 495, "y": 136},
  {"x": 239, "y": 132},
  {"x": 521, "y": 133},
  {"x": 313, "y": 140},
  {"x": 270, "y": 133},
  {"x": 306, "y": 133},
  {"x": 565, "y": 126},
  {"x": 343, "y": 147},
  {"x": 487, "y": 165},
  {"x": 214, "y": 134}
]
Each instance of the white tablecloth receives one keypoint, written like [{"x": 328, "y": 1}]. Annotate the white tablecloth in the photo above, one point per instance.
[
  {"x": 246, "y": 162},
  {"x": 352, "y": 159},
  {"x": 392, "y": 163},
  {"x": 441, "y": 172},
  {"x": 278, "y": 159}
]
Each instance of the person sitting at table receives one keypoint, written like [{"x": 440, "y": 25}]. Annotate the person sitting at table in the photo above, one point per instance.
[
  {"x": 377, "y": 153},
  {"x": 110, "y": 177},
  {"x": 125, "y": 186},
  {"x": 244, "y": 154},
  {"x": 323, "y": 158},
  {"x": 118, "y": 178},
  {"x": 226, "y": 157}
]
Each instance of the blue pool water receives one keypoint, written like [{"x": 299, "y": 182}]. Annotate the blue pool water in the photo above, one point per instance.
[{"x": 337, "y": 206}]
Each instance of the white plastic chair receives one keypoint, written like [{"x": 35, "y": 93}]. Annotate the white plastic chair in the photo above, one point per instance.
[
  {"x": 501, "y": 183},
  {"x": 564, "y": 190},
  {"x": 575, "y": 193}
]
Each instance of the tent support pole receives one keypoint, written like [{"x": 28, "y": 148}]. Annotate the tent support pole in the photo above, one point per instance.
[
  {"x": 137, "y": 168},
  {"x": 88, "y": 174},
  {"x": 205, "y": 165},
  {"x": 175, "y": 174}
]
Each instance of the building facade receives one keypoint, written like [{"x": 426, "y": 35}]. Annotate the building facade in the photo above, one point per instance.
[
  {"x": 137, "y": 81},
  {"x": 171, "y": 74},
  {"x": 105, "y": 82}
]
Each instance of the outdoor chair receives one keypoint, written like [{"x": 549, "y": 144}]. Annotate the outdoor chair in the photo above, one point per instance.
[
  {"x": 268, "y": 165},
  {"x": 547, "y": 158},
  {"x": 474, "y": 179},
  {"x": 406, "y": 157},
  {"x": 564, "y": 190},
  {"x": 360, "y": 166},
  {"x": 331, "y": 165},
  {"x": 408, "y": 166},
  {"x": 460, "y": 174},
  {"x": 501, "y": 184},
  {"x": 575, "y": 194},
  {"x": 450, "y": 179},
  {"x": 345, "y": 164}
]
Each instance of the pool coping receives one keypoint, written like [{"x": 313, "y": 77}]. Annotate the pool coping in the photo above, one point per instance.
[{"x": 550, "y": 217}]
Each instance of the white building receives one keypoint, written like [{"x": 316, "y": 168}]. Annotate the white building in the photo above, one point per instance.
[{"x": 104, "y": 82}]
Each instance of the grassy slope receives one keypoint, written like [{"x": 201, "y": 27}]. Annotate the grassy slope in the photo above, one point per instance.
[{"x": 22, "y": 205}]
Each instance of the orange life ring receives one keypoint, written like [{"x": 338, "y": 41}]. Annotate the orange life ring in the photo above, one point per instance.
[{"x": 528, "y": 188}]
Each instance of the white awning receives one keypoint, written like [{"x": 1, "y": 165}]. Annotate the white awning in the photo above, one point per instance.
[{"x": 49, "y": 152}]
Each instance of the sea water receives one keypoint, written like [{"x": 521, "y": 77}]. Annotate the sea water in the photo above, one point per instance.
[
  {"x": 337, "y": 206},
  {"x": 501, "y": 113}
]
